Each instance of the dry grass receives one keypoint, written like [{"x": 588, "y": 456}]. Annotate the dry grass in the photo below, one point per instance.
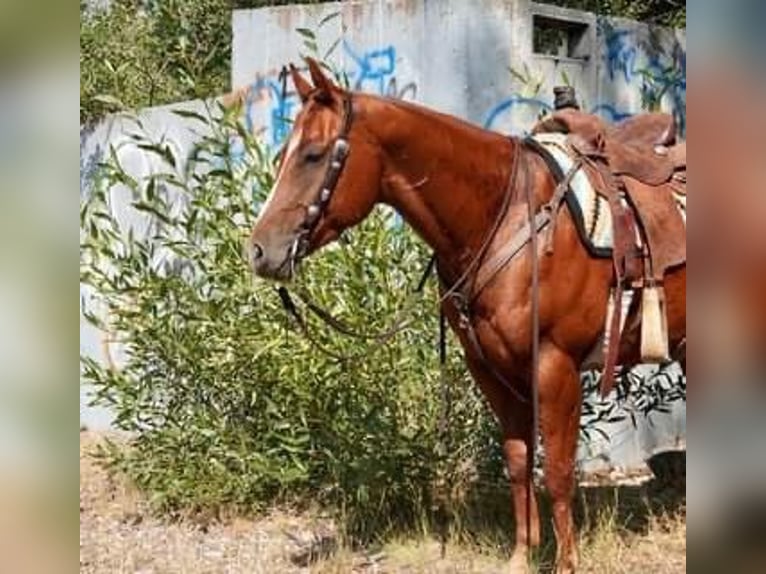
[
  {"x": 611, "y": 548},
  {"x": 119, "y": 535}
]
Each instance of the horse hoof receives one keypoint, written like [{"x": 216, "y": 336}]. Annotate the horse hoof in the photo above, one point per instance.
[
  {"x": 519, "y": 564},
  {"x": 566, "y": 568}
]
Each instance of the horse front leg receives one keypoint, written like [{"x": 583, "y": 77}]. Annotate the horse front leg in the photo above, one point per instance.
[
  {"x": 515, "y": 419},
  {"x": 517, "y": 449},
  {"x": 560, "y": 402}
]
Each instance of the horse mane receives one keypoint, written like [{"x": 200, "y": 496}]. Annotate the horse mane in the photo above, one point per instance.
[
  {"x": 463, "y": 142},
  {"x": 449, "y": 120}
]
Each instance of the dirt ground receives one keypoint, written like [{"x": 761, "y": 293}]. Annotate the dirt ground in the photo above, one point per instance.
[{"x": 119, "y": 535}]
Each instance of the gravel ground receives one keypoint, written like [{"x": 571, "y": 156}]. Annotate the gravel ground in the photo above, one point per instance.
[{"x": 119, "y": 535}]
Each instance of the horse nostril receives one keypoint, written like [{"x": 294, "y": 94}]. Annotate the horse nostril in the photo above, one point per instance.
[{"x": 256, "y": 252}]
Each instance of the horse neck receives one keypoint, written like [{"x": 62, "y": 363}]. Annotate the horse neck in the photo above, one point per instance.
[{"x": 446, "y": 178}]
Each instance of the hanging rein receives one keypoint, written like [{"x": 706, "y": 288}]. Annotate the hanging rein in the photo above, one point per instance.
[{"x": 461, "y": 294}]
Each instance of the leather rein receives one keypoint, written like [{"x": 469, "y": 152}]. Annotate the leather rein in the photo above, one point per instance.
[
  {"x": 314, "y": 212},
  {"x": 462, "y": 292}
]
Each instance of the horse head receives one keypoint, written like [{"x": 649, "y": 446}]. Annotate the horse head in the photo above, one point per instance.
[{"x": 328, "y": 179}]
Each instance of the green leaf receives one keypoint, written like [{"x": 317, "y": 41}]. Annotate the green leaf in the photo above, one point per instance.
[
  {"x": 518, "y": 75},
  {"x": 190, "y": 114},
  {"x": 331, "y": 16},
  {"x": 163, "y": 151},
  {"x": 151, "y": 189},
  {"x": 152, "y": 210},
  {"x": 330, "y": 50},
  {"x": 312, "y": 46},
  {"x": 306, "y": 33},
  {"x": 110, "y": 101}
]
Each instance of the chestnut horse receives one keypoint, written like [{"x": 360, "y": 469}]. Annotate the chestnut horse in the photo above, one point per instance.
[{"x": 449, "y": 180}]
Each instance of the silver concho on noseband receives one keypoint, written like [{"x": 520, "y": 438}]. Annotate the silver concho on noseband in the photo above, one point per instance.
[{"x": 314, "y": 212}]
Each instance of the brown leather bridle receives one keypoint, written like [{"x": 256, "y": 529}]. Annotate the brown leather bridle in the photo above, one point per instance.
[{"x": 314, "y": 212}]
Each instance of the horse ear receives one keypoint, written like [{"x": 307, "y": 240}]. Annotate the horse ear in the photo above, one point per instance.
[
  {"x": 302, "y": 86},
  {"x": 321, "y": 81}
]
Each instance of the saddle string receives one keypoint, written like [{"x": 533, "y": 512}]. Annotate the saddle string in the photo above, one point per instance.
[{"x": 620, "y": 265}]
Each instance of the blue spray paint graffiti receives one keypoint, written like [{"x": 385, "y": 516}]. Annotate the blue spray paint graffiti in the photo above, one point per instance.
[
  {"x": 376, "y": 72},
  {"x": 534, "y": 107},
  {"x": 271, "y": 90},
  {"x": 283, "y": 106},
  {"x": 621, "y": 54},
  {"x": 610, "y": 113},
  {"x": 374, "y": 66},
  {"x": 661, "y": 78},
  {"x": 664, "y": 78},
  {"x": 89, "y": 164},
  {"x": 372, "y": 71},
  {"x": 515, "y": 102}
]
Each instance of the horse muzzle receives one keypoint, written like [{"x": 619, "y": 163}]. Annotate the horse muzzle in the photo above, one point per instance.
[{"x": 277, "y": 263}]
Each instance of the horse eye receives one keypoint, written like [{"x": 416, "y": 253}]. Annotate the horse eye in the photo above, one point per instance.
[{"x": 314, "y": 155}]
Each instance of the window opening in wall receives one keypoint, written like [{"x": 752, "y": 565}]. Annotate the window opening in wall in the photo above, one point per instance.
[{"x": 559, "y": 38}]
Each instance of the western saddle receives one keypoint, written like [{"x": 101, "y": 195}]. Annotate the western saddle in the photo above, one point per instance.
[{"x": 640, "y": 169}]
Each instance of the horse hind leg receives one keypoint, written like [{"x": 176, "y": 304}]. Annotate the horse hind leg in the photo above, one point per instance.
[{"x": 560, "y": 401}]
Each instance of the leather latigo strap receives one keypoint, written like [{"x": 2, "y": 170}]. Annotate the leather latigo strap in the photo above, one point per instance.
[{"x": 627, "y": 264}]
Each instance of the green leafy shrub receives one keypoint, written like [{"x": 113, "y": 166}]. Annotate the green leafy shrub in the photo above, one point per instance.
[
  {"x": 139, "y": 53},
  {"x": 227, "y": 406},
  {"x": 136, "y": 54}
]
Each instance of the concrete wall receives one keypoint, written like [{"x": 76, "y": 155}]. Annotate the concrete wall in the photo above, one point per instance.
[
  {"x": 456, "y": 56},
  {"x": 160, "y": 124}
]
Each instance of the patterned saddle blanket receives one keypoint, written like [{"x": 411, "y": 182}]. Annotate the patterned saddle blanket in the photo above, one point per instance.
[{"x": 590, "y": 211}]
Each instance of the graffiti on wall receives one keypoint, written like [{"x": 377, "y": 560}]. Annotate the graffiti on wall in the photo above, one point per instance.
[
  {"x": 373, "y": 71},
  {"x": 652, "y": 68},
  {"x": 274, "y": 91},
  {"x": 90, "y": 160},
  {"x": 519, "y": 106},
  {"x": 620, "y": 53},
  {"x": 663, "y": 79},
  {"x": 639, "y": 70},
  {"x": 499, "y": 114}
]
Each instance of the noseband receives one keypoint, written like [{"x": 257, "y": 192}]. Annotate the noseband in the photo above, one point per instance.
[{"x": 315, "y": 211}]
